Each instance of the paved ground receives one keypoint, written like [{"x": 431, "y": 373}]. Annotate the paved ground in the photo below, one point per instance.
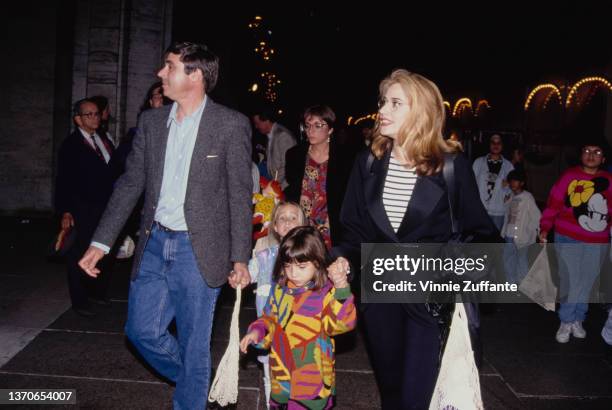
[{"x": 43, "y": 344}]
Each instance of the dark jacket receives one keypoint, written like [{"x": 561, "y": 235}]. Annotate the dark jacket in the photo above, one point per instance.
[
  {"x": 427, "y": 218},
  {"x": 84, "y": 185},
  {"x": 338, "y": 172}
]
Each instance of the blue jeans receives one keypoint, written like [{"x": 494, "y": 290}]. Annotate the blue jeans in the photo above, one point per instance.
[
  {"x": 516, "y": 263},
  {"x": 579, "y": 266},
  {"x": 498, "y": 220},
  {"x": 169, "y": 285}
]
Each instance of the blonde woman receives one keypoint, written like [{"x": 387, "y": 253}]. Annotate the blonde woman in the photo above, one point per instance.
[{"x": 397, "y": 194}]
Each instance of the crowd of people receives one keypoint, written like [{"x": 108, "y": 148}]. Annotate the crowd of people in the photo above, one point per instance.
[{"x": 182, "y": 182}]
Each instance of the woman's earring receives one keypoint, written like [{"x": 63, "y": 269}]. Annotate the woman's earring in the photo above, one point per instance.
[{"x": 328, "y": 139}]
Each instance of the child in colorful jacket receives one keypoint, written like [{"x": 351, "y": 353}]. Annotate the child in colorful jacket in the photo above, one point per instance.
[
  {"x": 285, "y": 216},
  {"x": 303, "y": 313}
]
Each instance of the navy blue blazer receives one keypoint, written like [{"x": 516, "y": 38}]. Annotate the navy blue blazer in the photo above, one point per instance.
[
  {"x": 84, "y": 184},
  {"x": 427, "y": 218}
]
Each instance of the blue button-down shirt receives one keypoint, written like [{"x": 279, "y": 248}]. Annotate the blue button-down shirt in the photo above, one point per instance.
[{"x": 179, "y": 150}]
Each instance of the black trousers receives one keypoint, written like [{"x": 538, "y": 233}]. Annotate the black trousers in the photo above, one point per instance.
[
  {"x": 404, "y": 346},
  {"x": 80, "y": 285}
]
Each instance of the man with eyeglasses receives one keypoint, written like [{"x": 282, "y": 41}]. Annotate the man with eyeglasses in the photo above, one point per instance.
[
  {"x": 280, "y": 139},
  {"x": 83, "y": 188},
  {"x": 578, "y": 210}
]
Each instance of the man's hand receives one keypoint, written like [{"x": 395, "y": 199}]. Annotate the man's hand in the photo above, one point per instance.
[
  {"x": 239, "y": 276},
  {"x": 338, "y": 271},
  {"x": 90, "y": 259},
  {"x": 543, "y": 237},
  {"x": 67, "y": 221}
]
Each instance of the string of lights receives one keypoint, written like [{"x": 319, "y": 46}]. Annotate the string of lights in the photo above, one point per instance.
[
  {"x": 573, "y": 97},
  {"x": 267, "y": 82}
]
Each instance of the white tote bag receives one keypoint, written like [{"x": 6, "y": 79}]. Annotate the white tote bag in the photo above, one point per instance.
[
  {"x": 458, "y": 384},
  {"x": 538, "y": 284}
]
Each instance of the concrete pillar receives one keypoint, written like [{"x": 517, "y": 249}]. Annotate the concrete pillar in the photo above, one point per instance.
[
  {"x": 58, "y": 52},
  {"x": 118, "y": 50},
  {"x": 28, "y": 37},
  {"x": 149, "y": 35}
]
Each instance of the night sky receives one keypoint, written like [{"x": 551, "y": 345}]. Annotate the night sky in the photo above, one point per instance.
[{"x": 337, "y": 54}]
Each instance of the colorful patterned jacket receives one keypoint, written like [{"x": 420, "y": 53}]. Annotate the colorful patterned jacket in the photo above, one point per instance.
[{"x": 297, "y": 326}]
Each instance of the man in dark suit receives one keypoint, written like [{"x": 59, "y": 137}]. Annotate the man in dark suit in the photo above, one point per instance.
[
  {"x": 84, "y": 185},
  {"x": 193, "y": 161}
]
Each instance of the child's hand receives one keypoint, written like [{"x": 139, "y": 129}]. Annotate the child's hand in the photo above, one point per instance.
[
  {"x": 338, "y": 271},
  {"x": 247, "y": 340}
]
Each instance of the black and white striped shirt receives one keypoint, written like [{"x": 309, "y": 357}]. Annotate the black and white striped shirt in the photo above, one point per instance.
[{"x": 397, "y": 191}]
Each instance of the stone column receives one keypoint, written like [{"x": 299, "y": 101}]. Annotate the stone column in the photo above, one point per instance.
[
  {"x": 118, "y": 45},
  {"x": 28, "y": 36}
]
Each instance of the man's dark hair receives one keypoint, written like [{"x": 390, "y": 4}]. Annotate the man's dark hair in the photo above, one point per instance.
[
  {"x": 265, "y": 114},
  {"x": 517, "y": 175},
  {"x": 197, "y": 57},
  {"x": 76, "y": 108}
]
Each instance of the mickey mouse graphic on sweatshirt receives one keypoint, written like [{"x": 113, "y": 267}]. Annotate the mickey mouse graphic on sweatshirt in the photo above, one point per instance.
[{"x": 578, "y": 206}]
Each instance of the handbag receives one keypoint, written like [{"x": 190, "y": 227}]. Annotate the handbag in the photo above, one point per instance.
[{"x": 443, "y": 307}]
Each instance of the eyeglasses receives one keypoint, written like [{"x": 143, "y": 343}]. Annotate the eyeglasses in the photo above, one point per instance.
[
  {"x": 395, "y": 103},
  {"x": 315, "y": 126},
  {"x": 596, "y": 152},
  {"x": 89, "y": 115}
]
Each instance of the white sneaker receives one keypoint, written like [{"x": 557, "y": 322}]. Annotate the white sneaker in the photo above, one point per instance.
[
  {"x": 563, "y": 334},
  {"x": 577, "y": 330}
]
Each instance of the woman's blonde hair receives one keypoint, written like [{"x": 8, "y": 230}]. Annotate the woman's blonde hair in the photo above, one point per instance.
[
  {"x": 273, "y": 236},
  {"x": 420, "y": 137}
]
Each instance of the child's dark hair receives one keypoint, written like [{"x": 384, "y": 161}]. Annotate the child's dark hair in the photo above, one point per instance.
[
  {"x": 302, "y": 244},
  {"x": 516, "y": 175}
]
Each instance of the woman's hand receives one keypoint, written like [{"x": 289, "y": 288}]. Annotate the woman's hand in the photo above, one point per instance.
[
  {"x": 543, "y": 237},
  {"x": 338, "y": 271},
  {"x": 247, "y": 340}
]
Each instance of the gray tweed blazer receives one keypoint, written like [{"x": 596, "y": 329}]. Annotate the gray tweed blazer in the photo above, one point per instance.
[{"x": 218, "y": 200}]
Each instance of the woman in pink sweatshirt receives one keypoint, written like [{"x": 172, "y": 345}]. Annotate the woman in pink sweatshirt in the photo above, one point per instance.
[{"x": 577, "y": 208}]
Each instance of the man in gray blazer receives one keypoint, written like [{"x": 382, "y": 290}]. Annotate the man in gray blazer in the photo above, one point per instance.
[
  {"x": 193, "y": 161},
  {"x": 280, "y": 139}
]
